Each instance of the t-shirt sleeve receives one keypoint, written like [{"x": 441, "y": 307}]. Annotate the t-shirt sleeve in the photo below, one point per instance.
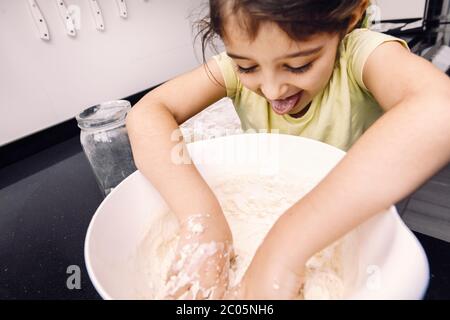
[
  {"x": 360, "y": 44},
  {"x": 226, "y": 66}
]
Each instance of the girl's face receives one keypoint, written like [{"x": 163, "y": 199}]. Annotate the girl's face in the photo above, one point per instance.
[{"x": 287, "y": 73}]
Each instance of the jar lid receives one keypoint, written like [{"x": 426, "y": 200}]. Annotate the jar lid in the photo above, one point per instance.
[{"x": 103, "y": 114}]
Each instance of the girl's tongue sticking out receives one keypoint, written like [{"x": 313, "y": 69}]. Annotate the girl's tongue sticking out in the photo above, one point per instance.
[{"x": 284, "y": 106}]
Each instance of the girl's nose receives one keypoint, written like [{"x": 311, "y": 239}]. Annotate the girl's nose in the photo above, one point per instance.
[{"x": 273, "y": 91}]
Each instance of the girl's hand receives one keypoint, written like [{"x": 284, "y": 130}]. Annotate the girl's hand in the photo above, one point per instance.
[
  {"x": 201, "y": 265},
  {"x": 269, "y": 276}
]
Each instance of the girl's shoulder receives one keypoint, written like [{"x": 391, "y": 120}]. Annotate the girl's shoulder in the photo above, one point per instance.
[
  {"x": 226, "y": 66},
  {"x": 363, "y": 38},
  {"x": 356, "y": 48}
]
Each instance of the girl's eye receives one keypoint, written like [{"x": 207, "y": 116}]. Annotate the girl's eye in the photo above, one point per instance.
[
  {"x": 245, "y": 70},
  {"x": 301, "y": 69}
]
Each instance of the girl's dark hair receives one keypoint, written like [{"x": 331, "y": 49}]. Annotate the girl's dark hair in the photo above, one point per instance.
[{"x": 300, "y": 19}]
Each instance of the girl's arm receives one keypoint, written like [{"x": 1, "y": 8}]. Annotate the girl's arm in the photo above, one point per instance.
[
  {"x": 151, "y": 125},
  {"x": 404, "y": 148}
]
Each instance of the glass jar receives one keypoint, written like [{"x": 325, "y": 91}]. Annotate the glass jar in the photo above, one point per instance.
[{"x": 105, "y": 142}]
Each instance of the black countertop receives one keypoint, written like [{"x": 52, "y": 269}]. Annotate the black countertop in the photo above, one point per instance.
[{"x": 46, "y": 203}]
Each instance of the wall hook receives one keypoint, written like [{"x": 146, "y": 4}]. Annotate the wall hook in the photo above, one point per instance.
[
  {"x": 122, "y": 8},
  {"x": 97, "y": 14},
  {"x": 39, "y": 20},
  {"x": 66, "y": 18}
]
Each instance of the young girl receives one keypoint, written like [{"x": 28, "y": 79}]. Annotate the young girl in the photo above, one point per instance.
[{"x": 307, "y": 68}]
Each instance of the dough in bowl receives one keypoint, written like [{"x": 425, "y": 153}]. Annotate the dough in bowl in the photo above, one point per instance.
[{"x": 252, "y": 204}]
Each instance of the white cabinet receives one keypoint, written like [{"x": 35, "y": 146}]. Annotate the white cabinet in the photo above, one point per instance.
[{"x": 45, "y": 82}]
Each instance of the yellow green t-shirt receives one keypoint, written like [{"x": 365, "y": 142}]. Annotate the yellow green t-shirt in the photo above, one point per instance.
[{"x": 338, "y": 115}]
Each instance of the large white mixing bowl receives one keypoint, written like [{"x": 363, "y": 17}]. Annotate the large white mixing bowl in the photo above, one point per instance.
[{"x": 390, "y": 262}]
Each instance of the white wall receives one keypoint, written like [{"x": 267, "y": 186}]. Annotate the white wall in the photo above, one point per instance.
[
  {"x": 401, "y": 9},
  {"x": 43, "y": 83}
]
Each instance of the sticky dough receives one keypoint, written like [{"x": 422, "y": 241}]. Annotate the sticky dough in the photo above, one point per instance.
[{"x": 251, "y": 205}]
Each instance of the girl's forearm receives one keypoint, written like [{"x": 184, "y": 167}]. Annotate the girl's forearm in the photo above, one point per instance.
[
  {"x": 393, "y": 158},
  {"x": 151, "y": 128}
]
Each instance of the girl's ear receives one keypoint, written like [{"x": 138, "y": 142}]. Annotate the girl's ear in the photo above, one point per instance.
[{"x": 358, "y": 14}]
